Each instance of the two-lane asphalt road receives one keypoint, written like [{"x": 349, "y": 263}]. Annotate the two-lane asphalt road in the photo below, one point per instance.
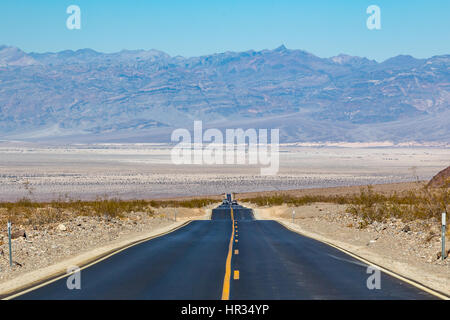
[{"x": 231, "y": 256}]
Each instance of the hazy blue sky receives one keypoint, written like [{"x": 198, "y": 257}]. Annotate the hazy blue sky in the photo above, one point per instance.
[{"x": 192, "y": 28}]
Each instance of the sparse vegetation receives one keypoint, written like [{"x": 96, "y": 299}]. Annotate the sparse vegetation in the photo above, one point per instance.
[
  {"x": 280, "y": 199},
  {"x": 423, "y": 203},
  {"x": 192, "y": 203},
  {"x": 27, "y": 212}
]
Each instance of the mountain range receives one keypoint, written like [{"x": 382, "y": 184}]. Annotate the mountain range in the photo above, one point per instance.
[{"x": 142, "y": 95}]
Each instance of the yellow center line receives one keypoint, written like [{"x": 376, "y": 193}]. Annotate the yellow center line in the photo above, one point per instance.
[
  {"x": 236, "y": 275},
  {"x": 227, "y": 278}
]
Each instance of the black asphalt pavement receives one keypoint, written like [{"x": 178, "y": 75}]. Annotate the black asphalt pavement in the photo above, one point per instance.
[
  {"x": 190, "y": 263},
  {"x": 276, "y": 263}
]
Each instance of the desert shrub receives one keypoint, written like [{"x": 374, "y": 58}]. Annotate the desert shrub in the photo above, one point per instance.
[
  {"x": 370, "y": 206},
  {"x": 192, "y": 203},
  {"x": 27, "y": 212},
  {"x": 423, "y": 203},
  {"x": 280, "y": 199},
  {"x": 45, "y": 216}
]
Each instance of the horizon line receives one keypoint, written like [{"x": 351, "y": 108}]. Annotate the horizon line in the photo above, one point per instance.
[{"x": 279, "y": 48}]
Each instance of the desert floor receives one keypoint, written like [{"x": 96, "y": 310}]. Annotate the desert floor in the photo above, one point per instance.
[{"x": 146, "y": 171}]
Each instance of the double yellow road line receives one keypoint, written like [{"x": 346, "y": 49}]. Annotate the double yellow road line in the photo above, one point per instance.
[{"x": 227, "y": 278}]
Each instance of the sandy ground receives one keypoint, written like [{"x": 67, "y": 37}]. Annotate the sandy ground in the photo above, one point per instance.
[
  {"x": 146, "y": 171},
  {"x": 51, "y": 249},
  {"x": 411, "y": 254}
]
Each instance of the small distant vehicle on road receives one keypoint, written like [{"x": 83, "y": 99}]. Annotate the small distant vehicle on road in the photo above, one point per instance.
[{"x": 234, "y": 202}]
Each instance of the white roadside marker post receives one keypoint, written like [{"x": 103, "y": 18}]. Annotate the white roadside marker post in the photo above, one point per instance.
[
  {"x": 9, "y": 240},
  {"x": 175, "y": 214},
  {"x": 293, "y": 215},
  {"x": 443, "y": 235}
]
